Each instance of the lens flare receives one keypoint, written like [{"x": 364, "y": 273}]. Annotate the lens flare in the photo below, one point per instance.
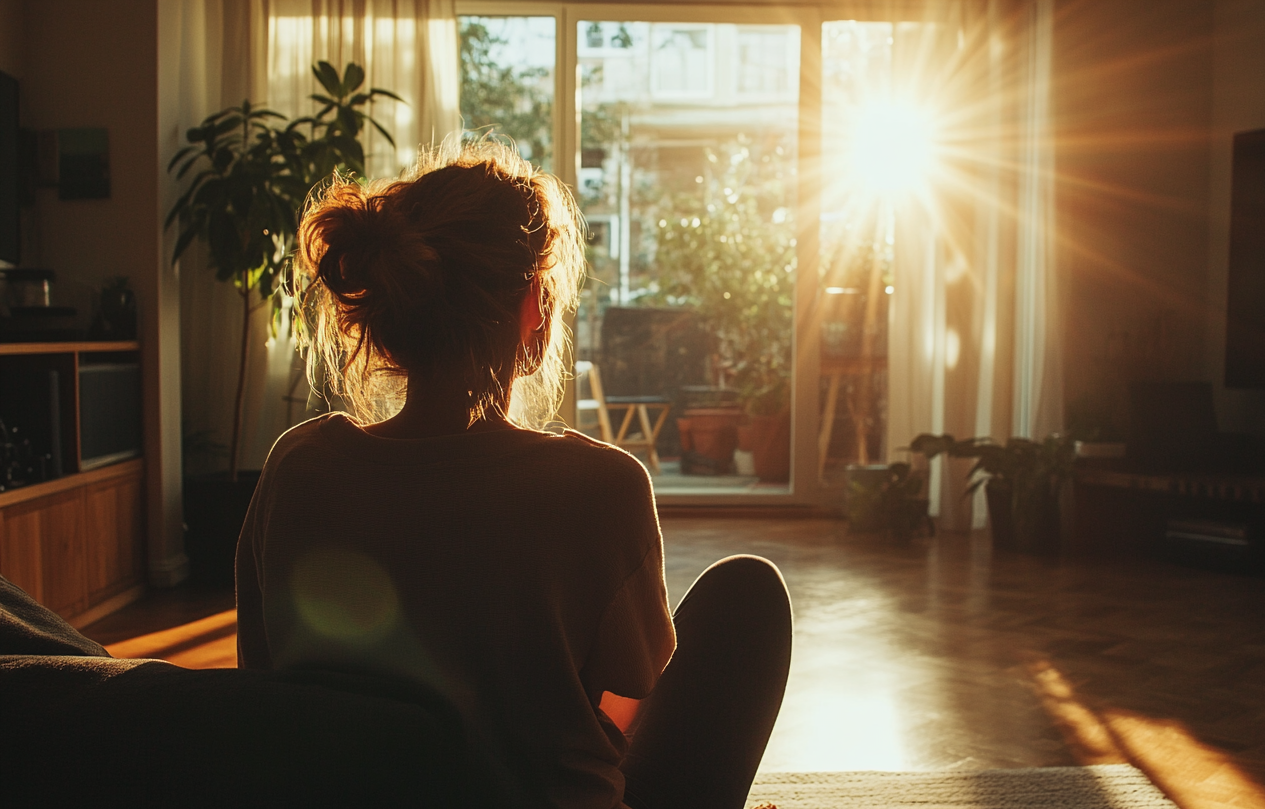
[{"x": 893, "y": 148}]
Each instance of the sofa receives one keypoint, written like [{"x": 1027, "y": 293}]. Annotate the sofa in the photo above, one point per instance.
[{"x": 77, "y": 725}]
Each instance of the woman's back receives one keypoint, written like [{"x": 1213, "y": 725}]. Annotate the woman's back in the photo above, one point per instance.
[{"x": 518, "y": 573}]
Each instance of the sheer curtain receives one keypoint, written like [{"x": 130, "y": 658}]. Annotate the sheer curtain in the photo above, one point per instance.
[
  {"x": 264, "y": 50},
  {"x": 974, "y": 323}
]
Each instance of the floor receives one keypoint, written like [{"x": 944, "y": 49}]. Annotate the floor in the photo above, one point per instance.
[{"x": 938, "y": 654}]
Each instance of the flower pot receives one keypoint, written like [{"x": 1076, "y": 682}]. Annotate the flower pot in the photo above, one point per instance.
[
  {"x": 999, "y": 497},
  {"x": 771, "y": 446},
  {"x": 1028, "y": 523},
  {"x": 866, "y": 513},
  {"x": 712, "y": 438}
]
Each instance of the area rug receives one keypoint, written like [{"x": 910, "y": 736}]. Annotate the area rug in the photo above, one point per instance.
[{"x": 1104, "y": 786}]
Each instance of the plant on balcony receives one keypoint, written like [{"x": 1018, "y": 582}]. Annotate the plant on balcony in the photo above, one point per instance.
[
  {"x": 727, "y": 248},
  {"x": 252, "y": 171}
]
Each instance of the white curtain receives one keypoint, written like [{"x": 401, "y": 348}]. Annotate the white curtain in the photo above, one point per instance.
[
  {"x": 264, "y": 50},
  {"x": 974, "y": 326}
]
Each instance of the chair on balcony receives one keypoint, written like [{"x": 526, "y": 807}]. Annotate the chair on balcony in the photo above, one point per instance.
[{"x": 641, "y": 406}]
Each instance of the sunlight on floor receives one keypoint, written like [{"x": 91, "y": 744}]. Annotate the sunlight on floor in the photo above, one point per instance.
[
  {"x": 1192, "y": 774},
  {"x": 209, "y": 643},
  {"x": 822, "y": 730}
]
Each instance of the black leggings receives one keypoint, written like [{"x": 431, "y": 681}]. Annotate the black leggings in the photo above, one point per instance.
[{"x": 698, "y": 738}]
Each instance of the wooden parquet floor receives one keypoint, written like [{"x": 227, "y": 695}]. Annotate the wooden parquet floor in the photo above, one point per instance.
[{"x": 939, "y": 654}]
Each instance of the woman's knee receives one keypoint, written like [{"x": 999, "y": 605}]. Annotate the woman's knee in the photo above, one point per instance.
[
  {"x": 744, "y": 587},
  {"x": 746, "y": 574}
]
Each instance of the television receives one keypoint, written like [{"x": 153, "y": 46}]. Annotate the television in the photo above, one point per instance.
[
  {"x": 1245, "y": 306},
  {"x": 10, "y": 226}
]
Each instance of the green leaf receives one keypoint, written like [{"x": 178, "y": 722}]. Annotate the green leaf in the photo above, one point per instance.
[
  {"x": 180, "y": 155},
  {"x": 186, "y": 238},
  {"x": 385, "y": 133},
  {"x": 378, "y": 91},
  {"x": 353, "y": 77},
  {"x": 328, "y": 77},
  {"x": 349, "y": 121}
]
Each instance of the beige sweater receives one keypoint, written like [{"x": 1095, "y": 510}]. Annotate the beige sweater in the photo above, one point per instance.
[{"x": 519, "y": 573}]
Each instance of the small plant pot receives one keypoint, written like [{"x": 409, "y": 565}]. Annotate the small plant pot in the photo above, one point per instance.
[
  {"x": 713, "y": 435},
  {"x": 1034, "y": 531},
  {"x": 1000, "y": 498},
  {"x": 771, "y": 447},
  {"x": 865, "y": 503}
]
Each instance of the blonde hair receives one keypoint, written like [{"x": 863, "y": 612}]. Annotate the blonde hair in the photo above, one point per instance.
[{"x": 425, "y": 276}]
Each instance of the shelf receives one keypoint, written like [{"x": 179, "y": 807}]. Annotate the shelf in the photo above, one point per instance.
[
  {"x": 12, "y": 349},
  {"x": 68, "y": 482}
]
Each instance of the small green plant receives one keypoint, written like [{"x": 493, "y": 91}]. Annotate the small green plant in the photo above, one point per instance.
[
  {"x": 1031, "y": 473},
  {"x": 891, "y": 503},
  {"x": 254, "y": 173}
]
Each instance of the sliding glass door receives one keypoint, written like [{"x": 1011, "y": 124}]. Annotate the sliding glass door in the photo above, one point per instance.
[{"x": 732, "y": 332}]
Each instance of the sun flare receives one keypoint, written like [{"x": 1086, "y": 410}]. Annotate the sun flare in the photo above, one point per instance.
[{"x": 893, "y": 148}]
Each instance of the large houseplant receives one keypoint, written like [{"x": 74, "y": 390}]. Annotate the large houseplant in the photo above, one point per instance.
[
  {"x": 1023, "y": 480},
  {"x": 252, "y": 171}
]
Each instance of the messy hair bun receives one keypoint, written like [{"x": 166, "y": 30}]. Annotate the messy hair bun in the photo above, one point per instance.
[{"x": 425, "y": 276}]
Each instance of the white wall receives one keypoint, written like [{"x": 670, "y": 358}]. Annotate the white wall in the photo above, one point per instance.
[{"x": 1238, "y": 104}]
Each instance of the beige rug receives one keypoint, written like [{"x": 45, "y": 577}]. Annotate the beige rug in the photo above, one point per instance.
[{"x": 1109, "y": 786}]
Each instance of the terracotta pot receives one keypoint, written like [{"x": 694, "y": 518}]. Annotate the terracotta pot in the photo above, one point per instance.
[
  {"x": 713, "y": 433},
  {"x": 684, "y": 429},
  {"x": 771, "y": 444}
]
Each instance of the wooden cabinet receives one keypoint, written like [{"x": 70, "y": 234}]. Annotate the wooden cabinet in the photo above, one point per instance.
[{"x": 75, "y": 543}]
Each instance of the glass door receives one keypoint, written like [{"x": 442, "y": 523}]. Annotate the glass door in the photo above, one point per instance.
[{"x": 687, "y": 176}]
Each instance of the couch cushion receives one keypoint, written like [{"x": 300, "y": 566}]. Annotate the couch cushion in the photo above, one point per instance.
[
  {"x": 146, "y": 732},
  {"x": 27, "y": 627}
]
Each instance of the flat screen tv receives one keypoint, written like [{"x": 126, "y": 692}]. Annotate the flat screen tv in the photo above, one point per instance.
[
  {"x": 10, "y": 228},
  {"x": 1245, "y": 307}
]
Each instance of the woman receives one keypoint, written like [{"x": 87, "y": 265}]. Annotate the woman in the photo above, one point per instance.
[{"x": 517, "y": 572}]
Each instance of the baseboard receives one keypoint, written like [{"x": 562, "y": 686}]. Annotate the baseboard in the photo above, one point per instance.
[
  {"x": 796, "y": 512},
  {"x": 112, "y": 604}
]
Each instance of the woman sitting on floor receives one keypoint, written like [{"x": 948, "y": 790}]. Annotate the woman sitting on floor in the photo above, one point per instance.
[{"x": 517, "y": 572}]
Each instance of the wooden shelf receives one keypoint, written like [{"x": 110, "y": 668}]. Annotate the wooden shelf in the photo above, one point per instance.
[
  {"x": 72, "y": 481},
  {"x": 13, "y": 349}
]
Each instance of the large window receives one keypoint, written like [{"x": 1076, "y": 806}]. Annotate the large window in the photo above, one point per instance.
[{"x": 732, "y": 332}]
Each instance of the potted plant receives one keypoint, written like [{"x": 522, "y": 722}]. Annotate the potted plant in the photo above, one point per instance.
[
  {"x": 252, "y": 181},
  {"x": 727, "y": 248},
  {"x": 887, "y": 498},
  {"x": 1023, "y": 480},
  {"x": 252, "y": 171},
  {"x": 767, "y": 433}
]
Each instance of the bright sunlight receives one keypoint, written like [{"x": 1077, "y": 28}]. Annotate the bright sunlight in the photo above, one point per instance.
[{"x": 893, "y": 148}]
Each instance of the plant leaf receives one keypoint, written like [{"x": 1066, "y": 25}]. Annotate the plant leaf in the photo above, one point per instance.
[
  {"x": 385, "y": 133},
  {"x": 353, "y": 77},
  {"x": 328, "y": 77},
  {"x": 378, "y": 91},
  {"x": 186, "y": 239}
]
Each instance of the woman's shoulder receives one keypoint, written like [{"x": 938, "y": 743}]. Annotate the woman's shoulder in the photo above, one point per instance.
[
  {"x": 303, "y": 435},
  {"x": 598, "y": 456}
]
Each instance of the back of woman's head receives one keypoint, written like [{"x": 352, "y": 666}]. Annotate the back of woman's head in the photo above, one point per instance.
[{"x": 425, "y": 278}]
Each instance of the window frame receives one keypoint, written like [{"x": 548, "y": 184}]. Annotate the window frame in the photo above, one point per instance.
[{"x": 804, "y": 491}]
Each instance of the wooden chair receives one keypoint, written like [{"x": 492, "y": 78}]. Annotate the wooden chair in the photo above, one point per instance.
[{"x": 638, "y": 405}]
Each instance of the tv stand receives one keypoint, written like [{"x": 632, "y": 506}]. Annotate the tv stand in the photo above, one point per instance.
[{"x": 76, "y": 543}]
